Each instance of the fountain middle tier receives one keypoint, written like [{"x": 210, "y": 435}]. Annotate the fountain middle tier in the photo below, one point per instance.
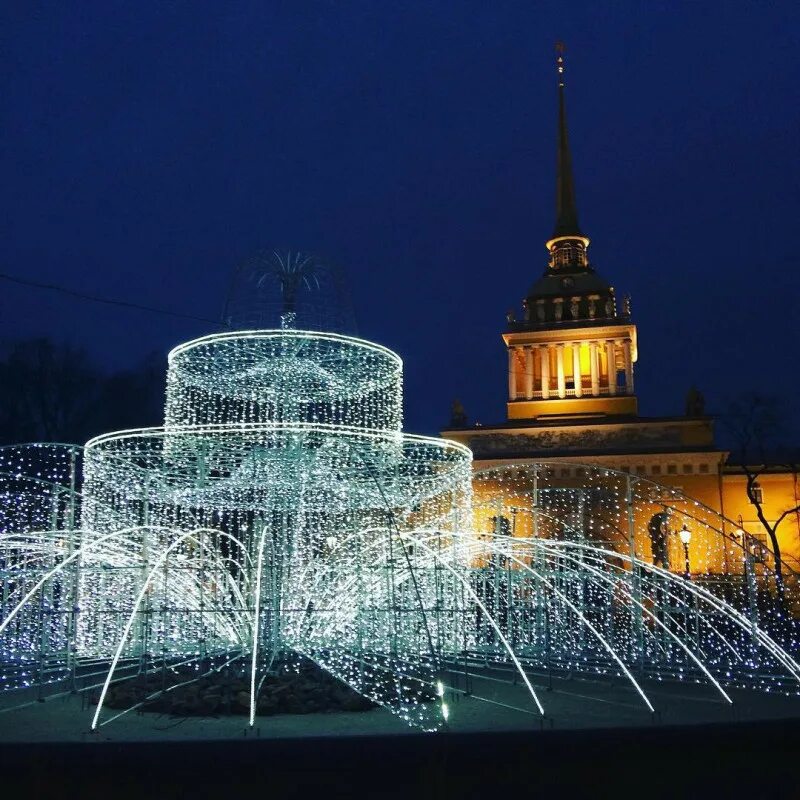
[{"x": 331, "y": 477}]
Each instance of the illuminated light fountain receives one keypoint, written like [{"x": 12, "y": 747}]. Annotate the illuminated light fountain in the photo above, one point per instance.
[
  {"x": 278, "y": 445},
  {"x": 281, "y": 512}
]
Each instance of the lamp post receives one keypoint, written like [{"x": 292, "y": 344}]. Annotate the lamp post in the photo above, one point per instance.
[{"x": 686, "y": 537}]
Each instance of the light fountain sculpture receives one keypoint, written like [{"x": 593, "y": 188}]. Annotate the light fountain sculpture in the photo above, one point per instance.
[
  {"x": 281, "y": 511},
  {"x": 281, "y": 446}
]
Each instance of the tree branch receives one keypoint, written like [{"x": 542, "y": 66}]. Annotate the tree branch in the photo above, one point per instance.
[{"x": 785, "y": 514}]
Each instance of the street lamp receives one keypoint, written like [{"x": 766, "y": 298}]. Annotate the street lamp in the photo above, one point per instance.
[{"x": 686, "y": 537}]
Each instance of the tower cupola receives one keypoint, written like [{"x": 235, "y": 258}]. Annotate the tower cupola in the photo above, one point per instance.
[{"x": 573, "y": 351}]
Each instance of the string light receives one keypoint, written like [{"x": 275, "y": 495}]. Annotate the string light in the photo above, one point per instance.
[{"x": 281, "y": 513}]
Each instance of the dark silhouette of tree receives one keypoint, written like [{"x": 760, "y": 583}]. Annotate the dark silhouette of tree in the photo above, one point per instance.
[
  {"x": 54, "y": 393},
  {"x": 48, "y": 391},
  {"x": 757, "y": 426},
  {"x": 132, "y": 398}
]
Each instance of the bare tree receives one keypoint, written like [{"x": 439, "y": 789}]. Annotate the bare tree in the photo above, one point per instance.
[
  {"x": 53, "y": 392},
  {"x": 757, "y": 426},
  {"x": 48, "y": 391},
  {"x": 132, "y": 398}
]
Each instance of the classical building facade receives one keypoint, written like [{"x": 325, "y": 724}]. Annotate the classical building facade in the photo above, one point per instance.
[{"x": 572, "y": 399}]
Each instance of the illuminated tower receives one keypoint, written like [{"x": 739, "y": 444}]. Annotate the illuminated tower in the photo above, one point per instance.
[{"x": 573, "y": 352}]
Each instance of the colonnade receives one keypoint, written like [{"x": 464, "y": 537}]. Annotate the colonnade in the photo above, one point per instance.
[{"x": 530, "y": 368}]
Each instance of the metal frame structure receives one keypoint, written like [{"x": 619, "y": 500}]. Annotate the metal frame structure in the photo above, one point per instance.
[{"x": 282, "y": 513}]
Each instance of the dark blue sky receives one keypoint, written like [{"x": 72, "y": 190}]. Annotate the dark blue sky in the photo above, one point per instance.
[{"x": 148, "y": 147}]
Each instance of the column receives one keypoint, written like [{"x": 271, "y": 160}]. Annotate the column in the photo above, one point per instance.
[
  {"x": 595, "y": 371},
  {"x": 626, "y": 344},
  {"x": 611, "y": 358},
  {"x": 576, "y": 368},
  {"x": 562, "y": 386},
  {"x": 529, "y": 373},
  {"x": 512, "y": 374},
  {"x": 544, "y": 353}
]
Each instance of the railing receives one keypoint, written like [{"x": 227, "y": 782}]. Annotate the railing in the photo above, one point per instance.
[
  {"x": 538, "y": 394},
  {"x": 568, "y": 322}
]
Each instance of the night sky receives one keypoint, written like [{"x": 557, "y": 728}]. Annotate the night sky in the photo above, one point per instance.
[{"x": 148, "y": 147}]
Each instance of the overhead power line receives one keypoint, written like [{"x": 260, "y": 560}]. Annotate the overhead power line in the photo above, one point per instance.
[{"x": 107, "y": 301}]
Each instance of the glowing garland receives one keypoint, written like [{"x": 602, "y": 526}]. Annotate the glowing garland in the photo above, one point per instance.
[{"x": 281, "y": 511}]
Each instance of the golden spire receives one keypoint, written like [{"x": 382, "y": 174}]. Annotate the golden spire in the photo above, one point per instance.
[{"x": 566, "y": 210}]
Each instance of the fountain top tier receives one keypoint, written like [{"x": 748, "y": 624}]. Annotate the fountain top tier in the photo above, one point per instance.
[{"x": 284, "y": 376}]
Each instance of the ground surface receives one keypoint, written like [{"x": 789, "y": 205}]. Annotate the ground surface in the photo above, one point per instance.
[
  {"x": 596, "y": 741},
  {"x": 495, "y": 704}
]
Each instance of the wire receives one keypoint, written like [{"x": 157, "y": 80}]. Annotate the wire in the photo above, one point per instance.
[{"x": 95, "y": 299}]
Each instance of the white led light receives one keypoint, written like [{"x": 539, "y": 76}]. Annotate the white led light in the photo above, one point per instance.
[{"x": 282, "y": 513}]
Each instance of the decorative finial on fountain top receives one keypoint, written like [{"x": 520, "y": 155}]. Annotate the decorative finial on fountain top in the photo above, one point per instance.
[{"x": 288, "y": 289}]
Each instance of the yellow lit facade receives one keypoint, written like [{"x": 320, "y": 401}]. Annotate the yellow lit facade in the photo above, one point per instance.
[{"x": 571, "y": 399}]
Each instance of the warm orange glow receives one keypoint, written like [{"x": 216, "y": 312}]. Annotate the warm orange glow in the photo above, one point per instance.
[
  {"x": 601, "y": 406},
  {"x": 550, "y": 242}
]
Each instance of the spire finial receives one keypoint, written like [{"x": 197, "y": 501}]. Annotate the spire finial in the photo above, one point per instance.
[
  {"x": 566, "y": 211},
  {"x": 560, "y": 63}
]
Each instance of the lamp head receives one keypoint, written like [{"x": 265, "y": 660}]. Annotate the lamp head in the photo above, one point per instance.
[{"x": 685, "y": 534}]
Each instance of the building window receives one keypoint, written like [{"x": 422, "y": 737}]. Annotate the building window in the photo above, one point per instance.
[
  {"x": 641, "y": 469},
  {"x": 562, "y": 255},
  {"x": 656, "y": 469},
  {"x": 756, "y": 493},
  {"x": 687, "y": 469},
  {"x": 565, "y": 473},
  {"x": 672, "y": 469},
  {"x": 704, "y": 468}
]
